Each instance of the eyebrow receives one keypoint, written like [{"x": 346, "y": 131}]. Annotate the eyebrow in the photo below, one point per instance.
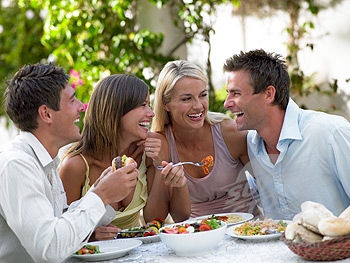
[
  {"x": 73, "y": 95},
  {"x": 232, "y": 89},
  {"x": 189, "y": 94}
]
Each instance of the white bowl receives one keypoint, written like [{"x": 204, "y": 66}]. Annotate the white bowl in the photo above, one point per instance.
[{"x": 194, "y": 244}]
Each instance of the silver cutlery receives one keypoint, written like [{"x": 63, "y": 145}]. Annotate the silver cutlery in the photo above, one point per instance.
[{"x": 181, "y": 163}]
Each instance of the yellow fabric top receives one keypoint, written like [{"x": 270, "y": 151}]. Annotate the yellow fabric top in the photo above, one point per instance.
[{"x": 130, "y": 216}]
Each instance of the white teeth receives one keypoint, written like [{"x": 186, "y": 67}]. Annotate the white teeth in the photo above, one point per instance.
[
  {"x": 195, "y": 115},
  {"x": 76, "y": 121},
  {"x": 238, "y": 113},
  {"x": 144, "y": 123}
]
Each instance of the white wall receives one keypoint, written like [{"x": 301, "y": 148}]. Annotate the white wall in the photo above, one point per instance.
[
  {"x": 6, "y": 133},
  {"x": 330, "y": 58}
]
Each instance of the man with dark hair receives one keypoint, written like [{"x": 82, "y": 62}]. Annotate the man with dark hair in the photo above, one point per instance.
[
  {"x": 33, "y": 227},
  {"x": 297, "y": 155}
]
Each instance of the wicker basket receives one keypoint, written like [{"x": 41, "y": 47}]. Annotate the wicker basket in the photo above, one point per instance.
[{"x": 329, "y": 250}]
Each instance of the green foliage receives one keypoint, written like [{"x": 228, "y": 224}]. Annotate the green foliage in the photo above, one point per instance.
[
  {"x": 98, "y": 38},
  {"x": 21, "y": 28},
  {"x": 101, "y": 37}
]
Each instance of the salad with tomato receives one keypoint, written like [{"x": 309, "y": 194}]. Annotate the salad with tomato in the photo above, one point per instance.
[
  {"x": 150, "y": 229},
  {"x": 188, "y": 228},
  {"x": 88, "y": 249}
]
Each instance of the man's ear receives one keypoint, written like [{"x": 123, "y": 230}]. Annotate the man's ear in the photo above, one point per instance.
[
  {"x": 270, "y": 94},
  {"x": 45, "y": 113}
]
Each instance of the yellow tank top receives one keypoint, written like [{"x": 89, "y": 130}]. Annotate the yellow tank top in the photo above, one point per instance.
[{"x": 130, "y": 216}]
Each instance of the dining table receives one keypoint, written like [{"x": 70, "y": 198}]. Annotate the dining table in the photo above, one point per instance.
[{"x": 230, "y": 249}]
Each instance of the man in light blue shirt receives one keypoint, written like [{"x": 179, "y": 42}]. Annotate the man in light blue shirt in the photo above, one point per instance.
[{"x": 297, "y": 155}]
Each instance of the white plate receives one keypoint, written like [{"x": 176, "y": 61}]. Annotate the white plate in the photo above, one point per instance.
[
  {"x": 245, "y": 217},
  {"x": 230, "y": 231},
  {"x": 149, "y": 239},
  {"x": 110, "y": 249}
]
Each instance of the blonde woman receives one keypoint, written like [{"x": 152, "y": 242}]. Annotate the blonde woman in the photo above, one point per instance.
[{"x": 193, "y": 132}]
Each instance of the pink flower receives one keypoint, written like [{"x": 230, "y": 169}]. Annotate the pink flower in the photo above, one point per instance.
[
  {"x": 75, "y": 78},
  {"x": 85, "y": 106}
]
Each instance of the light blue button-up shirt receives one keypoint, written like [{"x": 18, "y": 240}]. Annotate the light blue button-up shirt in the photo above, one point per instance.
[{"x": 313, "y": 164}]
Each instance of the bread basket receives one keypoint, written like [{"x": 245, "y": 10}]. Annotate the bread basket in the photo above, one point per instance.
[{"x": 329, "y": 250}]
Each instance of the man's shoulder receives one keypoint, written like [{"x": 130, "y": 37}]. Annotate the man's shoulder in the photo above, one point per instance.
[
  {"x": 15, "y": 149},
  {"x": 326, "y": 120}
]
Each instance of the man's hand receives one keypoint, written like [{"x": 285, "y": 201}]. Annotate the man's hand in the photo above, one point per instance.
[
  {"x": 105, "y": 232},
  {"x": 113, "y": 187}
]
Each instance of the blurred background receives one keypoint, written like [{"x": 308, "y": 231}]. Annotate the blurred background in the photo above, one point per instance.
[{"x": 95, "y": 38}]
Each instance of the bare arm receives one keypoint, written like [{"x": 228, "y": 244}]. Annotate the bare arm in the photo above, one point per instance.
[
  {"x": 72, "y": 173},
  {"x": 167, "y": 189},
  {"x": 158, "y": 200}
]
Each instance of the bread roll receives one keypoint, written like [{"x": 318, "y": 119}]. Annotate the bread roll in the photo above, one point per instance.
[
  {"x": 304, "y": 234},
  {"x": 128, "y": 160},
  {"x": 298, "y": 218},
  {"x": 119, "y": 162},
  {"x": 312, "y": 213},
  {"x": 291, "y": 230},
  {"x": 345, "y": 213},
  {"x": 334, "y": 226}
]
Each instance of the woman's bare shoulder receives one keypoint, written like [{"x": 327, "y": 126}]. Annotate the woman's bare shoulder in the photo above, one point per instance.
[
  {"x": 236, "y": 141},
  {"x": 230, "y": 126},
  {"x": 73, "y": 166}
]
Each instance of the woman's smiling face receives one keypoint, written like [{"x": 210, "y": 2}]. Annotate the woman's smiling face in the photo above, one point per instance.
[
  {"x": 189, "y": 103},
  {"x": 137, "y": 121}
]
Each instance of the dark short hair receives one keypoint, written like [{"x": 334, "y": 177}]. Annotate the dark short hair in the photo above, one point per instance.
[
  {"x": 265, "y": 69},
  {"x": 31, "y": 87}
]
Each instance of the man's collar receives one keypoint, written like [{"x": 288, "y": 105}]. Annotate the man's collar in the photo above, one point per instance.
[{"x": 39, "y": 149}]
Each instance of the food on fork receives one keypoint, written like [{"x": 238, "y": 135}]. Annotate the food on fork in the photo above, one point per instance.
[
  {"x": 119, "y": 162},
  {"x": 208, "y": 162}
]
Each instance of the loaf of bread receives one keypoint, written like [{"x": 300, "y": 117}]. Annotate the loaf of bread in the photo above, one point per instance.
[
  {"x": 291, "y": 230},
  {"x": 334, "y": 226},
  {"x": 304, "y": 234},
  {"x": 345, "y": 213},
  {"x": 312, "y": 213}
]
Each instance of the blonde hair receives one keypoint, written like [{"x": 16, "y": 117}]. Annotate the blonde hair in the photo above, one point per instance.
[{"x": 172, "y": 72}]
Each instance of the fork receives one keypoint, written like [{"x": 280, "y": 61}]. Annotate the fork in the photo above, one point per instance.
[{"x": 181, "y": 163}]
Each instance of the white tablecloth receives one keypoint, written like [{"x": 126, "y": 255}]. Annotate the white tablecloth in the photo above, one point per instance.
[{"x": 229, "y": 250}]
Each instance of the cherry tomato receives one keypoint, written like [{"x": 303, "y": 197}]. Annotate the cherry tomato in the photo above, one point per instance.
[{"x": 204, "y": 227}]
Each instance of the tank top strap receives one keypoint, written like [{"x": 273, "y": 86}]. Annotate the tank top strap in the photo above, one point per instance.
[{"x": 86, "y": 186}]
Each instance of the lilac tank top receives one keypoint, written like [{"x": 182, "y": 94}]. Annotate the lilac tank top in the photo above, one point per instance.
[{"x": 225, "y": 189}]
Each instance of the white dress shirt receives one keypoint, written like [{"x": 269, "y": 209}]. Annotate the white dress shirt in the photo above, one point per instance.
[
  {"x": 33, "y": 227},
  {"x": 313, "y": 164}
]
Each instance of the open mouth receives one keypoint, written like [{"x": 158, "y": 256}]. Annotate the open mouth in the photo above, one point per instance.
[
  {"x": 238, "y": 114},
  {"x": 145, "y": 124},
  {"x": 195, "y": 116},
  {"x": 77, "y": 121}
]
